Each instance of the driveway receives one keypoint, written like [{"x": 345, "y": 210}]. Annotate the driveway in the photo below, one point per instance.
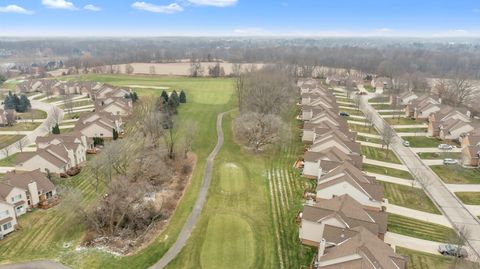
[
  {"x": 412, "y": 243},
  {"x": 451, "y": 207},
  {"x": 54, "y": 114}
]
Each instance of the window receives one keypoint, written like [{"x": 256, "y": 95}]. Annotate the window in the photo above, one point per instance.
[
  {"x": 4, "y": 213},
  {"x": 16, "y": 198},
  {"x": 7, "y": 226}
]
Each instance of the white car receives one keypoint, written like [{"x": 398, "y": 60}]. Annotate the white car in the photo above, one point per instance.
[
  {"x": 445, "y": 146},
  {"x": 406, "y": 143},
  {"x": 449, "y": 161}
]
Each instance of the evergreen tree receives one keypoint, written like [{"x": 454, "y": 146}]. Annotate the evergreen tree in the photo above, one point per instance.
[
  {"x": 174, "y": 96},
  {"x": 164, "y": 95},
  {"x": 9, "y": 102},
  {"x": 115, "y": 134},
  {"x": 172, "y": 106},
  {"x": 23, "y": 104},
  {"x": 56, "y": 129},
  {"x": 97, "y": 141},
  {"x": 182, "y": 97},
  {"x": 134, "y": 97},
  {"x": 2, "y": 79}
]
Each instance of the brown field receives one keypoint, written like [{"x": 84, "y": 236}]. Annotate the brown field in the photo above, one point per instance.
[{"x": 179, "y": 69}]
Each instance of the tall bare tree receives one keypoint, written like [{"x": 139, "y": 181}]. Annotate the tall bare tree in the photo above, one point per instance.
[{"x": 388, "y": 135}]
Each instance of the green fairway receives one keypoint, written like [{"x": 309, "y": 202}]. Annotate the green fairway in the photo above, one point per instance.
[
  {"x": 229, "y": 243},
  {"x": 456, "y": 174},
  {"x": 422, "y": 141},
  {"x": 386, "y": 171},
  {"x": 263, "y": 207},
  {"x": 410, "y": 197},
  {"x": 439, "y": 155},
  {"x": 232, "y": 178},
  {"x": 469, "y": 198},
  {"x": 418, "y": 229},
  {"x": 380, "y": 154}
]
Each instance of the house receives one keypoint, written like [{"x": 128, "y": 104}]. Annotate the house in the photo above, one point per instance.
[
  {"x": 318, "y": 163},
  {"x": 471, "y": 155},
  {"x": 8, "y": 220},
  {"x": 407, "y": 97},
  {"x": 114, "y": 105},
  {"x": 382, "y": 83},
  {"x": 356, "y": 248},
  {"x": 39, "y": 189},
  {"x": 470, "y": 139},
  {"x": 54, "y": 159},
  {"x": 75, "y": 141},
  {"x": 348, "y": 179},
  {"x": 311, "y": 131},
  {"x": 410, "y": 107},
  {"x": 15, "y": 196},
  {"x": 333, "y": 140},
  {"x": 443, "y": 115},
  {"x": 335, "y": 80},
  {"x": 98, "y": 124},
  {"x": 107, "y": 91},
  {"x": 452, "y": 129},
  {"x": 342, "y": 212},
  {"x": 424, "y": 108}
]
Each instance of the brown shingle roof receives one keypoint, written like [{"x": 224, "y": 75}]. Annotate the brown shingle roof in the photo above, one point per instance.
[{"x": 22, "y": 179}]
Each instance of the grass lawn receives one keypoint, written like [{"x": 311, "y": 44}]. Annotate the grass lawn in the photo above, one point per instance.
[
  {"x": 33, "y": 114},
  {"x": 38, "y": 97},
  {"x": 439, "y": 155},
  {"x": 249, "y": 219},
  {"x": 379, "y": 99},
  {"x": 456, "y": 174},
  {"x": 469, "y": 198},
  {"x": 403, "y": 121},
  {"x": 346, "y": 100},
  {"x": 369, "y": 139},
  {"x": 9, "y": 161},
  {"x": 411, "y": 130},
  {"x": 422, "y": 141},
  {"x": 382, "y": 106},
  {"x": 362, "y": 129},
  {"x": 52, "y": 99},
  {"x": 22, "y": 126},
  {"x": 380, "y": 154},
  {"x": 78, "y": 104},
  {"x": 423, "y": 260},
  {"x": 386, "y": 171},
  {"x": 351, "y": 111},
  {"x": 7, "y": 140},
  {"x": 369, "y": 88},
  {"x": 418, "y": 229},
  {"x": 406, "y": 196},
  {"x": 69, "y": 116}
]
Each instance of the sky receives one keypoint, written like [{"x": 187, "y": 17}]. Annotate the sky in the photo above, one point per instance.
[{"x": 309, "y": 18}]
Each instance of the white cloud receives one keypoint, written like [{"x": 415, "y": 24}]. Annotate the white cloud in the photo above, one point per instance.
[
  {"x": 384, "y": 30},
  {"x": 168, "y": 9},
  {"x": 15, "y": 9},
  {"x": 453, "y": 33},
  {"x": 216, "y": 3},
  {"x": 59, "y": 4},
  {"x": 92, "y": 7}
]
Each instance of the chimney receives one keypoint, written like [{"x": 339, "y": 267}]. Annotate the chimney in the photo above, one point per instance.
[
  {"x": 440, "y": 100},
  {"x": 321, "y": 249}
]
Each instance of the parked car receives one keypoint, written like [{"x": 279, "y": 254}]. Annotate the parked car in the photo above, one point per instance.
[
  {"x": 445, "y": 146},
  {"x": 406, "y": 143},
  {"x": 449, "y": 161},
  {"x": 345, "y": 114},
  {"x": 452, "y": 250}
]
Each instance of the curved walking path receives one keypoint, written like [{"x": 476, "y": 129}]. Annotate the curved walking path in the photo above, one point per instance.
[
  {"x": 40, "y": 264},
  {"x": 194, "y": 215}
]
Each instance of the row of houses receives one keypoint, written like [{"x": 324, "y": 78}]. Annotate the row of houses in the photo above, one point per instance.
[
  {"x": 28, "y": 186},
  {"x": 345, "y": 219},
  {"x": 445, "y": 122}
]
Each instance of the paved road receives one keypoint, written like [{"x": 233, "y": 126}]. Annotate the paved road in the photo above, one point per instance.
[
  {"x": 192, "y": 219},
  {"x": 451, "y": 207},
  {"x": 40, "y": 264},
  {"x": 41, "y": 130}
]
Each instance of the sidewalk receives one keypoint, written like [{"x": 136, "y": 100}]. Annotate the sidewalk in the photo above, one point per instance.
[
  {"x": 369, "y": 144},
  {"x": 369, "y": 135},
  {"x": 406, "y": 126},
  {"x": 435, "y": 150}
]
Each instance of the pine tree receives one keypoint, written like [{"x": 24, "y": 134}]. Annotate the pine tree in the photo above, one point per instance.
[
  {"x": 172, "y": 106},
  {"x": 183, "y": 97},
  {"x": 134, "y": 97},
  {"x": 164, "y": 95},
  {"x": 115, "y": 134},
  {"x": 56, "y": 129},
  {"x": 174, "y": 96},
  {"x": 9, "y": 101}
]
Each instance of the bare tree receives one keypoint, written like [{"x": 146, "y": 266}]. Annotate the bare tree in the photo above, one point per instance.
[
  {"x": 349, "y": 87},
  {"x": 258, "y": 130},
  {"x": 68, "y": 102},
  {"x": 21, "y": 144},
  {"x": 357, "y": 101},
  {"x": 196, "y": 69},
  {"x": 170, "y": 138},
  {"x": 388, "y": 134},
  {"x": 460, "y": 92},
  {"x": 236, "y": 69},
  {"x": 152, "y": 70},
  {"x": 190, "y": 129},
  {"x": 6, "y": 151},
  {"x": 129, "y": 69}
]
